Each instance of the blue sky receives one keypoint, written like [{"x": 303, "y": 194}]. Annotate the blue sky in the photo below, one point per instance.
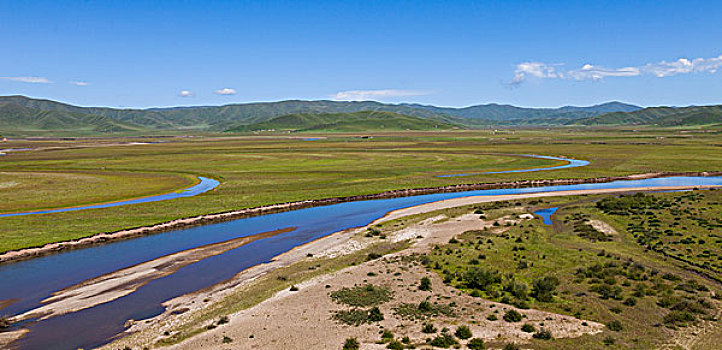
[{"x": 448, "y": 53}]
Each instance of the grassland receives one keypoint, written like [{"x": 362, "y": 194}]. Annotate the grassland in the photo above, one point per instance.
[
  {"x": 264, "y": 169},
  {"x": 646, "y": 298}
]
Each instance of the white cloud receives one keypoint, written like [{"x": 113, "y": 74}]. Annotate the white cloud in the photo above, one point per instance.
[
  {"x": 186, "y": 93},
  {"x": 225, "y": 91},
  {"x": 534, "y": 69},
  {"x": 684, "y": 66},
  {"x": 79, "y": 83},
  {"x": 34, "y": 80},
  {"x": 661, "y": 69},
  {"x": 365, "y": 95}
]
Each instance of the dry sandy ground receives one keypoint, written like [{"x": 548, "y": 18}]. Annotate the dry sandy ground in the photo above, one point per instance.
[{"x": 302, "y": 319}]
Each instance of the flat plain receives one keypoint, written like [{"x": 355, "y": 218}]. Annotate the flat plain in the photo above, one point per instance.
[{"x": 265, "y": 169}]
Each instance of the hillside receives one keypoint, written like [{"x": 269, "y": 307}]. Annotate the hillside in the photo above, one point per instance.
[
  {"x": 663, "y": 116},
  {"x": 15, "y": 118},
  {"x": 219, "y": 118},
  {"x": 355, "y": 121},
  {"x": 510, "y": 115}
]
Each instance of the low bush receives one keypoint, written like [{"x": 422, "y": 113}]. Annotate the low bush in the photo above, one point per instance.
[
  {"x": 362, "y": 296},
  {"x": 512, "y": 316},
  {"x": 543, "y": 334},
  {"x": 463, "y": 332},
  {"x": 528, "y": 328},
  {"x": 444, "y": 340},
  {"x": 476, "y": 344},
  {"x": 351, "y": 344}
]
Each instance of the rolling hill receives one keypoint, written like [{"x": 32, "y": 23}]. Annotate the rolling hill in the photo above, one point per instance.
[
  {"x": 354, "y": 121},
  {"x": 663, "y": 116},
  {"x": 23, "y": 115},
  {"x": 18, "y": 119}
]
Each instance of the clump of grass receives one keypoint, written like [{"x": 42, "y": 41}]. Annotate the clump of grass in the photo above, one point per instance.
[
  {"x": 423, "y": 310},
  {"x": 362, "y": 296},
  {"x": 227, "y": 339},
  {"x": 357, "y": 317}
]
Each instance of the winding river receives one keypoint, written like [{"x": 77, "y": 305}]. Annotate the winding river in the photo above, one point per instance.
[
  {"x": 571, "y": 163},
  {"x": 204, "y": 185},
  {"x": 28, "y": 282}
]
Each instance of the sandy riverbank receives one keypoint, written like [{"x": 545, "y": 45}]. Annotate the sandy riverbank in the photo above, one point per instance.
[
  {"x": 290, "y": 317},
  {"x": 102, "y": 238}
]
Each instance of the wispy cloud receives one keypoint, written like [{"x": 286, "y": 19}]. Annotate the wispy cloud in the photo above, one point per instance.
[
  {"x": 364, "y": 95},
  {"x": 186, "y": 93},
  {"x": 33, "y": 80},
  {"x": 79, "y": 83},
  {"x": 540, "y": 70},
  {"x": 225, "y": 91}
]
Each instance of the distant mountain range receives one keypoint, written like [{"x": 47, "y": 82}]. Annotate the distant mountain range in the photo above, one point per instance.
[{"x": 24, "y": 116}]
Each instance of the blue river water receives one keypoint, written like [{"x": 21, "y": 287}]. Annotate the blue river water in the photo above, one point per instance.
[
  {"x": 546, "y": 215},
  {"x": 205, "y": 185},
  {"x": 572, "y": 163},
  {"x": 30, "y": 281}
]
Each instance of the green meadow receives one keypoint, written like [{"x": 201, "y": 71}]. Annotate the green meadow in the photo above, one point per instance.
[{"x": 262, "y": 169}]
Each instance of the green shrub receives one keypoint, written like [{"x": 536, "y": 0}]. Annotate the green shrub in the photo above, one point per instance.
[
  {"x": 428, "y": 328},
  {"x": 356, "y": 317},
  {"x": 543, "y": 334},
  {"x": 423, "y": 310},
  {"x": 444, "y": 340},
  {"x": 512, "y": 316},
  {"x": 492, "y": 317},
  {"x": 528, "y": 327},
  {"x": 463, "y": 332},
  {"x": 480, "y": 278},
  {"x": 476, "y": 344},
  {"x": 425, "y": 284},
  {"x": 227, "y": 340},
  {"x": 351, "y": 344},
  {"x": 543, "y": 288},
  {"x": 362, "y": 296},
  {"x": 395, "y": 345}
]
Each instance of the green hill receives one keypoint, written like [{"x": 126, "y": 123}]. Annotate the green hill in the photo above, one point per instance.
[
  {"x": 663, "y": 116},
  {"x": 219, "y": 118},
  {"x": 19, "y": 119},
  {"x": 355, "y": 121}
]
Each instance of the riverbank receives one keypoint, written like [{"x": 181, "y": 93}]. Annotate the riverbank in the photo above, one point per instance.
[
  {"x": 292, "y": 319},
  {"x": 231, "y": 215}
]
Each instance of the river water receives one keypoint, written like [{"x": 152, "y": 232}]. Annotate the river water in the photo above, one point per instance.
[
  {"x": 28, "y": 282},
  {"x": 204, "y": 185}
]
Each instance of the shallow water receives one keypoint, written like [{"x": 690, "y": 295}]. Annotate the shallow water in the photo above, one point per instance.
[
  {"x": 546, "y": 215},
  {"x": 573, "y": 163},
  {"x": 31, "y": 281},
  {"x": 205, "y": 185}
]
